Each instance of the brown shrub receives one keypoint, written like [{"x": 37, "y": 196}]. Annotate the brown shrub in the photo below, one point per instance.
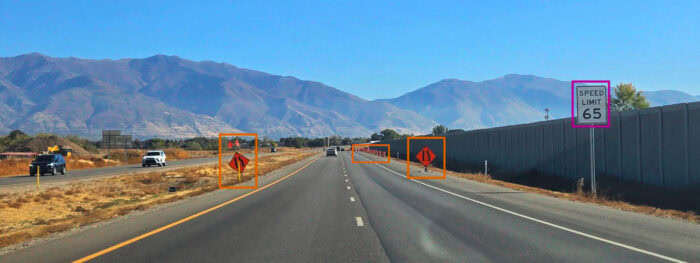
[
  {"x": 22, "y": 200},
  {"x": 177, "y": 154},
  {"x": 153, "y": 189},
  {"x": 80, "y": 209},
  {"x": 151, "y": 178},
  {"x": 15, "y": 205},
  {"x": 191, "y": 178},
  {"x": 14, "y": 238},
  {"x": 14, "y": 167},
  {"x": 55, "y": 228},
  {"x": 49, "y": 194}
]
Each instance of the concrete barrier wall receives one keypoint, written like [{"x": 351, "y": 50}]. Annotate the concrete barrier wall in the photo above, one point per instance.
[{"x": 658, "y": 146}]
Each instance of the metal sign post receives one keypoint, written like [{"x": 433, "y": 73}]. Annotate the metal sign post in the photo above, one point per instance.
[
  {"x": 486, "y": 167},
  {"x": 592, "y": 111},
  {"x": 593, "y": 185}
]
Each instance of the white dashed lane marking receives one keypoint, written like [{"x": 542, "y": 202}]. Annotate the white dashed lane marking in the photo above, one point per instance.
[
  {"x": 359, "y": 221},
  {"x": 352, "y": 199},
  {"x": 348, "y": 187}
]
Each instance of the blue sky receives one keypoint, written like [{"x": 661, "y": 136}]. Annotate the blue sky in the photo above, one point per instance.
[{"x": 379, "y": 49}]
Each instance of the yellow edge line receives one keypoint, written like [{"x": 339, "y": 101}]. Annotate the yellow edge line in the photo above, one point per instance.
[{"x": 160, "y": 229}]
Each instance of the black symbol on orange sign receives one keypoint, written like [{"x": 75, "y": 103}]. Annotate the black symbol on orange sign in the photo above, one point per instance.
[
  {"x": 238, "y": 159},
  {"x": 425, "y": 156}
]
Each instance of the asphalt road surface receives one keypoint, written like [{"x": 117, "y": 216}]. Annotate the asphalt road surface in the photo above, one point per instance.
[
  {"x": 331, "y": 210},
  {"x": 106, "y": 171}
]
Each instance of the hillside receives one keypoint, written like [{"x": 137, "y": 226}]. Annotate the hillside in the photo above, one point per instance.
[
  {"x": 507, "y": 100},
  {"x": 167, "y": 96}
]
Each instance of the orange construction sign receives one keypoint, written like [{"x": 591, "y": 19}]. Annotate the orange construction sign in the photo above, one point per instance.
[
  {"x": 238, "y": 159},
  {"x": 425, "y": 156}
]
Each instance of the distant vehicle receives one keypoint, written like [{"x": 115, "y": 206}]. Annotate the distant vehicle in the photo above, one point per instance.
[
  {"x": 48, "y": 163},
  {"x": 273, "y": 149},
  {"x": 332, "y": 151},
  {"x": 337, "y": 148},
  {"x": 154, "y": 158},
  {"x": 342, "y": 149}
]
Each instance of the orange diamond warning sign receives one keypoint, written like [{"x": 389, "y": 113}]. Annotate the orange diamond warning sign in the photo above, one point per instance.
[
  {"x": 236, "y": 160},
  {"x": 425, "y": 156}
]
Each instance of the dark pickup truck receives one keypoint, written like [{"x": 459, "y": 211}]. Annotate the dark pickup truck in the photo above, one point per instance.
[{"x": 48, "y": 163}]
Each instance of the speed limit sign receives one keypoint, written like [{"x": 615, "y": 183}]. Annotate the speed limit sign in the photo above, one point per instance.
[{"x": 592, "y": 104}]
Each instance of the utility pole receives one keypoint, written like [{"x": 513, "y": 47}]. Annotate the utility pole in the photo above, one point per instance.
[{"x": 546, "y": 114}]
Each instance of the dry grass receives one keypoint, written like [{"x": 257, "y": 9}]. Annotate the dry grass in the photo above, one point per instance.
[
  {"x": 39, "y": 213},
  {"x": 629, "y": 196}
]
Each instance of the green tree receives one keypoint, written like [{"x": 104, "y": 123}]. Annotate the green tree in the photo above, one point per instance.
[
  {"x": 16, "y": 134},
  {"x": 389, "y": 134},
  {"x": 440, "y": 129},
  {"x": 628, "y": 98},
  {"x": 335, "y": 140},
  {"x": 266, "y": 141},
  {"x": 193, "y": 146},
  {"x": 155, "y": 143}
]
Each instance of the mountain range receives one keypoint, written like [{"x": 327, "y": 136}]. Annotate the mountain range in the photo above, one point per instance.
[{"x": 167, "y": 96}]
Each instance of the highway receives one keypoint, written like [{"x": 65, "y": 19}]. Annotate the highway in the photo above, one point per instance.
[
  {"x": 327, "y": 209},
  {"x": 93, "y": 173}
]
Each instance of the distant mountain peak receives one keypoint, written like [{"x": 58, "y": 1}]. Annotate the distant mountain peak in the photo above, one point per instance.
[
  {"x": 519, "y": 76},
  {"x": 168, "y": 96},
  {"x": 31, "y": 55}
]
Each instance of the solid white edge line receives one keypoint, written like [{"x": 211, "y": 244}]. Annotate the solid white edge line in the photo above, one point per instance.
[
  {"x": 540, "y": 221},
  {"x": 359, "y": 222}
]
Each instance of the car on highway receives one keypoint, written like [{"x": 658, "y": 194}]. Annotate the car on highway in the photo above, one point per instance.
[
  {"x": 332, "y": 151},
  {"x": 154, "y": 158},
  {"x": 273, "y": 149},
  {"x": 48, "y": 163}
]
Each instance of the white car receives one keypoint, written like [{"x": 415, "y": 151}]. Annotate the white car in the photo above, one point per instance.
[
  {"x": 332, "y": 151},
  {"x": 154, "y": 158}
]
